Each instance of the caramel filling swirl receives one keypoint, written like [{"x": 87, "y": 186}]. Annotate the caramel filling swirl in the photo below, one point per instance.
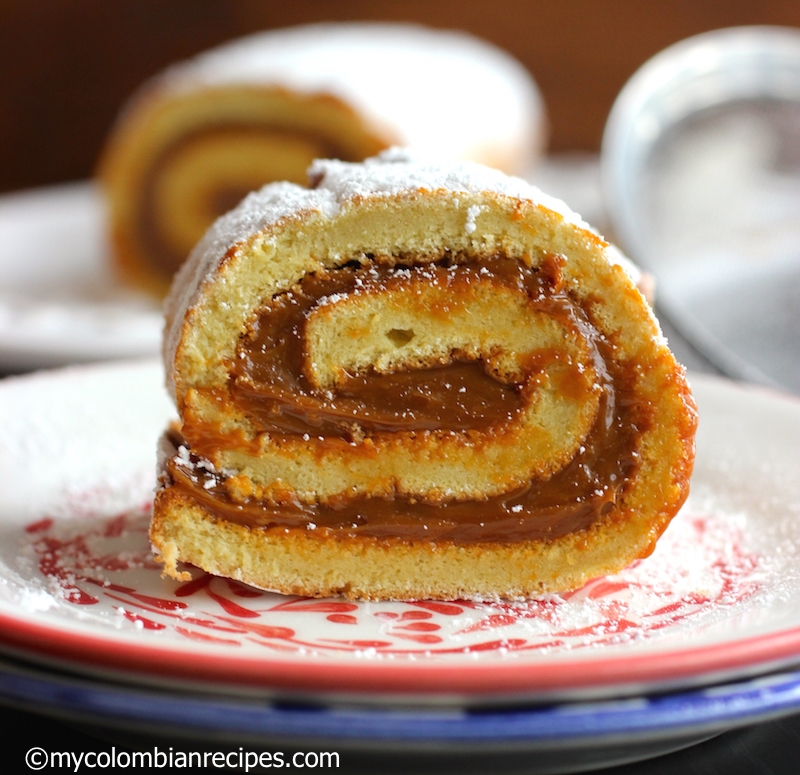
[{"x": 368, "y": 396}]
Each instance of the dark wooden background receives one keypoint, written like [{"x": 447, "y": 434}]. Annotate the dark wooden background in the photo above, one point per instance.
[{"x": 66, "y": 66}]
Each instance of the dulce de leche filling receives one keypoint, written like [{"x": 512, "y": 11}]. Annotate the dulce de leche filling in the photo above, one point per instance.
[{"x": 272, "y": 383}]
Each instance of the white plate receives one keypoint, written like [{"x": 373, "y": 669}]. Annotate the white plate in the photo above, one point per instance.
[
  {"x": 59, "y": 300},
  {"x": 719, "y": 598}
]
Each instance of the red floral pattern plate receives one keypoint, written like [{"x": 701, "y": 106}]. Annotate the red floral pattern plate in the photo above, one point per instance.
[{"x": 718, "y": 599}]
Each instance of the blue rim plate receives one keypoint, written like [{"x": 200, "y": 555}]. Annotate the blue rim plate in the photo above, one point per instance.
[{"x": 567, "y": 737}]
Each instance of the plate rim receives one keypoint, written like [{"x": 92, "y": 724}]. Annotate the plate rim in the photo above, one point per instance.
[
  {"x": 697, "y": 711},
  {"x": 619, "y": 675}
]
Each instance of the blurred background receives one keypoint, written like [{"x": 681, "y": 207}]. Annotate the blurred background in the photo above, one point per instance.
[{"x": 68, "y": 65}]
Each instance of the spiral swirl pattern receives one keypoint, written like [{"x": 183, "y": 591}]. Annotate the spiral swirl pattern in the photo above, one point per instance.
[{"x": 382, "y": 380}]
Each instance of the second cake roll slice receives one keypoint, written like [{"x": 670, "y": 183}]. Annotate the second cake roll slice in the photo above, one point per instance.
[
  {"x": 415, "y": 380},
  {"x": 199, "y": 136}
]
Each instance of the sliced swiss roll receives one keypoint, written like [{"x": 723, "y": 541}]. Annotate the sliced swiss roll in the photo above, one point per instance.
[
  {"x": 196, "y": 138},
  {"x": 413, "y": 381}
]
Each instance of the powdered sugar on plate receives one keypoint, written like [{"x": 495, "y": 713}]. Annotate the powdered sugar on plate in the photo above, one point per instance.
[{"x": 700, "y": 572}]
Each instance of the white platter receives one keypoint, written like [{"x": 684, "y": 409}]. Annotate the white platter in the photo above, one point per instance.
[{"x": 59, "y": 299}]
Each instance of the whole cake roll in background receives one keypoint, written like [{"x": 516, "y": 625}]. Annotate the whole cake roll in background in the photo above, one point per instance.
[
  {"x": 415, "y": 380},
  {"x": 196, "y": 138}
]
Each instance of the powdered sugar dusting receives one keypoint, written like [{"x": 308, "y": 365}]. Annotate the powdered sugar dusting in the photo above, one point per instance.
[
  {"x": 395, "y": 172},
  {"x": 472, "y": 216},
  {"x": 392, "y": 173},
  {"x": 399, "y": 171}
]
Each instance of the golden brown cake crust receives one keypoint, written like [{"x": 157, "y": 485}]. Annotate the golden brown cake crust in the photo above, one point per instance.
[{"x": 419, "y": 223}]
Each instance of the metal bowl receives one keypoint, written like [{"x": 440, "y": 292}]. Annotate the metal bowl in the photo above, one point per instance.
[{"x": 701, "y": 175}]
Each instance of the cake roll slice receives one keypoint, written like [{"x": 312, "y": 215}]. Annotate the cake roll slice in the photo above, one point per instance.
[
  {"x": 415, "y": 380},
  {"x": 197, "y": 137}
]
